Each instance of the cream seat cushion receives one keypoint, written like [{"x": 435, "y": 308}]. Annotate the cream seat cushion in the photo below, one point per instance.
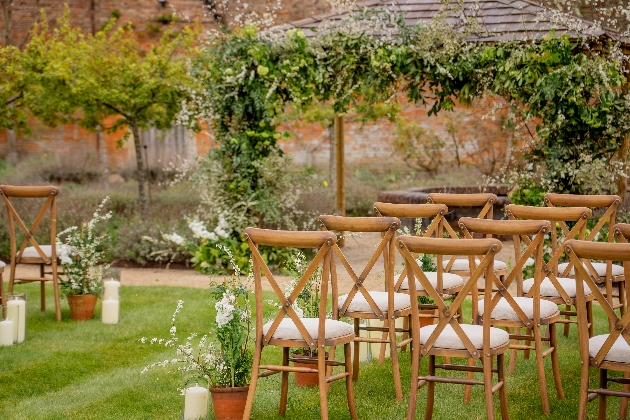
[
  {"x": 360, "y": 304},
  {"x": 548, "y": 289},
  {"x": 461, "y": 264},
  {"x": 288, "y": 331},
  {"x": 448, "y": 281},
  {"x": 448, "y": 339},
  {"x": 617, "y": 270},
  {"x": 31, "y": 252},
  {"x": 504, "y": 311},
  {"x": 619, "y": 352}
]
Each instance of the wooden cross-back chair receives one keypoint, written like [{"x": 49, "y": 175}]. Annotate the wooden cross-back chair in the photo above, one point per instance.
[
  {"x": 359, "y": 303},
  {"x": 449, "y": 338},
  {"x": 486, "y": 201},
  {"x": 556, "y": 287},
  {"x": 2, "y": 298},
  {"x": 609, "y": 274},
  {"x": 294, "y": 332},
  {"x": 30, "y": 251},
  {"x": 529, "y": 312},
  {"x": 606, "y": 351},
  {"x": 447, "y": 284}
]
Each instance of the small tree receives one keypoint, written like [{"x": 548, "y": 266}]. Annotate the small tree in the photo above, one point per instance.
[{"x": 111, "y": 74}]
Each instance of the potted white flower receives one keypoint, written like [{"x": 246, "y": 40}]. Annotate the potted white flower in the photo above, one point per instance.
[
  {"x": 81, "y": 254},
  {"x": 226, "y": 368}
]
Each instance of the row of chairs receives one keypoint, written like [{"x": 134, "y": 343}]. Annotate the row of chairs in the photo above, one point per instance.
[{"x": 523, "y": 314}]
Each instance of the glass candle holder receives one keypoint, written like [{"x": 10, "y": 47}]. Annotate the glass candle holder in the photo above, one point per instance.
[
  {"x": 6, "y": 328},
  {"x": 110, "y": 312},
  {"x": 16, "y": 312}
]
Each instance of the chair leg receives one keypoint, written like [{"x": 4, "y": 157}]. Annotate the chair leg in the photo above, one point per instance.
[
  {"x": 542, "y": 380},
  {"x": 428, "y": 414},
  {"x": 567, "y": 325},
  {"x": 589, "y": 317},
  {"x": 383, "y": 346},
  {"x": 623, "y": 407},
  {"x": 12, "y": 276},
  {"x": 528, "y": 331},
  {"x": 505, "y": 415},
  {"x": 487, "y": 386},
  {"x": 55, "y": 281},
  {"x": 284, "y": 384},
  {"x": 513, "y": 352},
  {"x": 405, "y": 334},
  {"x": 349, "y": 386},
  {"x": 394, "y": 356},
  {"x": 584, "y": 376},
  {"x": 621, "y": 292},
  {"x": 355, "y": 360},
  {"x": 415, "y": 371},
  {"x": 254, "y": 379},
  {"x": 555, "y": 364},
  {"x": 468, "y": 388},
  {"x": 603, "y": 383},
  {"x": 323, "y": 389}
]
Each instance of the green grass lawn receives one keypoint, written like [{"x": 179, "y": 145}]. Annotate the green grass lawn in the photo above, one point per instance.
[{"x": 88, "y": 370}]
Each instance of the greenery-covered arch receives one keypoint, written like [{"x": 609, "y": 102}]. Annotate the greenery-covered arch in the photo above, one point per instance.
[{"x": 575, "y": 94}]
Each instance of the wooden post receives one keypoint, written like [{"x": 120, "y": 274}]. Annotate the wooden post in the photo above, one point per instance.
[
  {"x": 622, "y": 182},
  {"x": 340, "y": 189}
]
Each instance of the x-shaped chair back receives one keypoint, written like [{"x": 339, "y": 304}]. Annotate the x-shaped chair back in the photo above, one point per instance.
[
  {"x": 608, "y": 202},
  {"x": 484, "y": 200},
  {"x": 536, "y": 229},
  {"x": 385, "y": 225},
  {"x": 435, "y": 212},
  {"x": 410, "y": 245},
  {"x": 321, "y": 240},
  {"x": 50, "y": 205},
  {"x": 557, "y": 216},
  {"x": 579, "y": 251}
]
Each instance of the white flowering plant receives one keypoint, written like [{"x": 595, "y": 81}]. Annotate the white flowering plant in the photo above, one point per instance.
[
  {"x": 81, "y": 254},
  {"x": 199, "y": 358}
]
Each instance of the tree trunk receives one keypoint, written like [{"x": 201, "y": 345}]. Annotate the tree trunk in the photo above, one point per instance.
[
  {"x": 8, "y": 21},
  {"x": 331, "y": 164},
  {"x": 140, "y": 170},
  {"x": 622, "y": 182}
]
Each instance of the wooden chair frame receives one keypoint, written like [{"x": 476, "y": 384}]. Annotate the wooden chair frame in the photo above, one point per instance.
[
  {"x": 387, "y": 226},
  {"x": 50, "y": 205},
  {"x": 578, "y": 251},
  {"x": 484, "y": 200},
  {"x": 610, "y": 203},
  {"x": 2, "y": 297},
  {"x": 523, "y": 229},
  {"x": 409, "y": 245},
  {"x": 557, "y": 216},
  {"x": 436, "y": 212},
  {"x": 324, "y": 242}
]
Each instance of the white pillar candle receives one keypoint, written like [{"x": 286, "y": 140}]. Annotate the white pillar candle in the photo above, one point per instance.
[
  {"x": 196, "y": 403},
  {"x": 109, "y": 313},
  {"x": 6, "y": 333},
  {"x": 16, "y": 312},
  {"x": 111, "y": 290}
]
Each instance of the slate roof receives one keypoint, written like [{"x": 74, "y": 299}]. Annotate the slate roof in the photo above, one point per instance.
[{"x": 501, "y": 19}]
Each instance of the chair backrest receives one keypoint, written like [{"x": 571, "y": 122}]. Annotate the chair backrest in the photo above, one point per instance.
[
  {"x": 484, "y": 200},
  {"x": 323, "y": 241},
  {"x": 581, "y": 250},
  {"x": 558, "y": 217},
  {"x": 536, "y": 229},
  {"x": 436, "y": 212},
  {"x": 387, "y": 226},
  {"x": 609, "y": 203},
  {"x": 622, "y": 232},
  {"x": 50, "y": 193},
  {"x": 487, "y": 247}
]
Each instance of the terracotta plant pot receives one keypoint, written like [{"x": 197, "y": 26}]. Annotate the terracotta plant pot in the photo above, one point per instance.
[
  {"x": 82, "y": 306},
  {"x": 229, "y": 403},
  {"x": 424, "y": 321},
  {"x": 303, "y": 379}
]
